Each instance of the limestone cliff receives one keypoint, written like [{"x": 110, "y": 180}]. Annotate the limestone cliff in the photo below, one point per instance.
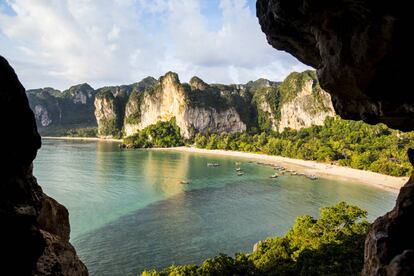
[
  {"x": 296, "y": 103},
  {"x": 118, "y": 111},
  {"x": 169, "y": 98},
  {"x": 72, "y": 107},
  {"x": 45, "y": 106},
  {"x": 110, "y": 106},
  {"x": 77, "y": 104},
  {"x": 109, "y": 113},
  {"x": 303, "y": 102}
]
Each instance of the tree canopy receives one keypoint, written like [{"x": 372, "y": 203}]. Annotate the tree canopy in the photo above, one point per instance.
[{"x": 333, "y": 244}]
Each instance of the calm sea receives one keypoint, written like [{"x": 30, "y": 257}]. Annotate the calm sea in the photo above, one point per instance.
[{"x": 129, "y": 211}]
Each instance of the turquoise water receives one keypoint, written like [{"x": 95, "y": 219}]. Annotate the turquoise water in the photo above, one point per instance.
[{"x": 128, "y": 210}]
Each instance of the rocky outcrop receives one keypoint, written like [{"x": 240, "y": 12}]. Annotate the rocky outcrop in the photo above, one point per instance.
[
  {"x": 111, "y": 105},
  {"x": 197, "y": 106},
  {"x": 304, "y": 103},
  {"x": 296, "y": 103},
  {"x": 45, "y": 106},
  {"x": 171, "y": 99},
  {"x": 80, "y": 94},
  {"x": 109, "y": 113},
  {"x": 42, "y": 115},
  {"x": 34, "y": 235},
  {"x": 73, "y": 107},
  {"x": 360, "y": 49},
  {"x": 77, "y": 105},
  {"x": 389, "y": 247}
]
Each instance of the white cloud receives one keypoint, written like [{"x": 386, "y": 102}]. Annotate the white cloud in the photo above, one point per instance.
[{"x": 62, "y": 42}]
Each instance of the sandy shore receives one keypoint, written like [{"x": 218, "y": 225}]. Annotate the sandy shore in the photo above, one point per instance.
[
  {"x": 82, "y": 138},
  {"x": 310, "y": 167},
  {"x": 324, "y": 170}
]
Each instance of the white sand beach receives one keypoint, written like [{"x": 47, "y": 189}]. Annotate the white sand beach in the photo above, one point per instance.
[
  {"x": 310, "y": 167},
  {"x": 319, "y": 169}
]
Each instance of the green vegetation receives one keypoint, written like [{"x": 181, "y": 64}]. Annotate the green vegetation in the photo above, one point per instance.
[
  {"x": 354, "y": 144},
  {"x": 330, "y": 245},
  {"x": 72, "y": 131},
  {"x": 77, "y": 112},
  {"x": 116, "y": 97},
  {"x": 65, "y": 108},
  {"x": 264, "y": 96},
  {"x": 134, "y": 103},
  {"x": 268, "y": 99},
  {"x": 221, "y": 97},
  {"x": 109, "y": 127},
  {"x": 295, "y": 82},
  {"x": 46, "y": 99},
  {"x": 347, "y": 143},
  {"x": 160, "y": 135}
]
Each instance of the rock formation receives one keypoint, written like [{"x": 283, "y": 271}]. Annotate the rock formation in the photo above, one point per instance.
[
  {"x": 389, "y": 247},
  {"x": 123, "y": 110},
  {"x": 109, "y": 112},
  {"x": 34, "y": 232},
  {"x": 169, "y": 99},
  {"x": 110, "y": 104},
  {"x": 73, "y": 107},
  {"x": 45, "y": 106},
  {"x": 296, "y": 103},
  {"x": 361, "y": 51}
]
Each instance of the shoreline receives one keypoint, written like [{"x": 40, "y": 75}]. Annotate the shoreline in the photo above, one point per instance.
[
  {"x": 324, "y": 170},
  {"x": 81, "y": 138}
]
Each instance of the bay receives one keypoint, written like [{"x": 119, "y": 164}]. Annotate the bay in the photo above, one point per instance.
[{"x": 129, "y": 210}]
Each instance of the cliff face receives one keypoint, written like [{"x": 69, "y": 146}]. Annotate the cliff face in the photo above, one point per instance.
[
  {"x": 35, "y": 228},
  {"x": 111, "y": 106},
  {"x": 45, "y": 106},
  {"x": 296, "y": 103},
  {"x": 77, "y": 104},
  {"x": 169, "y": 98},
  {"x": 74, "y": 106},
  {"x": 109, "y": 113},
  {"x": 123, "y": 110},
  {"x": 304, "y": 103}
]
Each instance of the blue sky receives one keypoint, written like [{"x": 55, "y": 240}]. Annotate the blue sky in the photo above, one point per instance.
[{"x": 58, "y": 43}]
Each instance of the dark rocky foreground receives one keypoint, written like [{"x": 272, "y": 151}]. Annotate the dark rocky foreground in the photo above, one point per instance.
[
  {"x": 34, "y": 232},
  {"x": 361, "y": 50}
]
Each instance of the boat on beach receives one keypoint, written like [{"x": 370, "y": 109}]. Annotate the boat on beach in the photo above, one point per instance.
[{"x": 274, "y": 175}]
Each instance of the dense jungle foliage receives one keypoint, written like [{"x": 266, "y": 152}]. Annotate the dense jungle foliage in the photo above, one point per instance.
[
  {"x": 333, "y": 244},
  {"x": 348, "y": 143}
]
